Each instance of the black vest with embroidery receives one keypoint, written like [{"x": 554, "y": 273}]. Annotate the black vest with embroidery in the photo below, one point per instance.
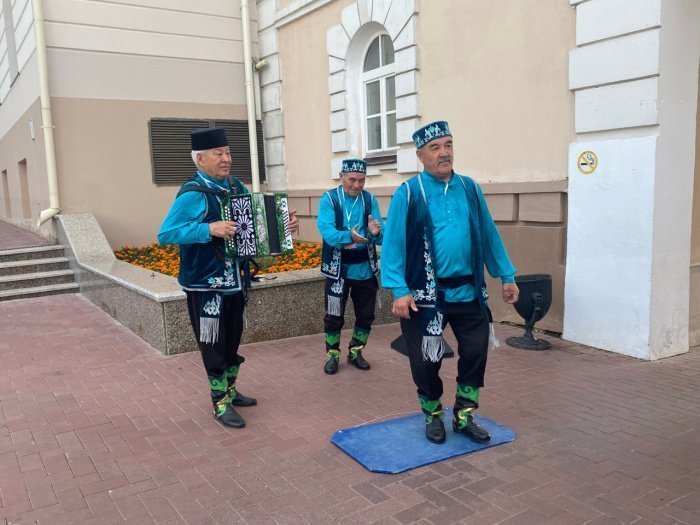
[
  {"x": 331, "y": 257},
  {"x": 205, "y": 266}
]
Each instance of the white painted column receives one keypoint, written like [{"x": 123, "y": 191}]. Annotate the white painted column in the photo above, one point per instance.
[
  {"x": 635, "y": 74},
  {"x": 271, "y": 97}
]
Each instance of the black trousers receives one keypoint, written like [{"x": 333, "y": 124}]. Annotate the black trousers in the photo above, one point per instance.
[
  {"x": 220, "y": 356},
  {"x": 364, "y": 298},
  {"x": 470, "y": 325}
]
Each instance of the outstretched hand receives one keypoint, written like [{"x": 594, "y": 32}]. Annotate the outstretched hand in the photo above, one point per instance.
[
  {"x": 356, "y": 237},
  {"x": 374, "y": 226}
]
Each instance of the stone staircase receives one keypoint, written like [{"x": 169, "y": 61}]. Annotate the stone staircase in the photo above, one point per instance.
[{"x": 35, "y": 271}]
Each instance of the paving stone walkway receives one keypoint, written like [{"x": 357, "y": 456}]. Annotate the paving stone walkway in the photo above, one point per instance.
[
  {"x": 97, "y": 427},
  {"x": 13, "y": 237}
]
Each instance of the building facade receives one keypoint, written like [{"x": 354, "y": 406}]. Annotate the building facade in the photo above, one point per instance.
[
  {"x": 579, "y": 118},
  {"x": 113, "y": 67}
]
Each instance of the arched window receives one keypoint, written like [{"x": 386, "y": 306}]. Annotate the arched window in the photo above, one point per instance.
[{"x": 378, "y": 74}]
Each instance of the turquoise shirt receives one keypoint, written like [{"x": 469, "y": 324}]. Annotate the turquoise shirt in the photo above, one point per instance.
[
  {"x": 449, "y": 212},
  {"x": 353, "y": 212},
  {"x": 183, "y": 224}
]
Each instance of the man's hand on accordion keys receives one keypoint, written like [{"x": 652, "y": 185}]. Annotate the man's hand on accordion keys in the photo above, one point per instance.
[
  {"x": 293, "y": 221},
  {"x": 223, "y": 229}
]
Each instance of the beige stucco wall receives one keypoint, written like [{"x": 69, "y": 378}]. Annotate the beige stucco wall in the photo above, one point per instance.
[
  {"x": 104, "y": 162},
  {"x": 695, "y": 230},
  {"x": 305, "y": 99},
  {"x": 694, "y": 324},
  {"x": 500, "y": 77},
  {"x": 15, "y": 146},
  {"x": 111, "y": 67},
  {"x": 181, "y": 50}
]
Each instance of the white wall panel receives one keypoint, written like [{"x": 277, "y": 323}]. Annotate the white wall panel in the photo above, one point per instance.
[
  {"x": 137, "y": 18},
  {"x": 25, "y": 51},
  {"x": 24, "y": 32},
  {"x": 624, "y": 58},
  {"x": 124, "y": 77},
  {"x": 350, "y": 19},
  {"x": 610, "y": 225},
  {"x": 617, "y": 106},
  {"x": 212, "y": 7},
  {"x": 141, "y": 43},
  {"x": 599, "y": 19}
]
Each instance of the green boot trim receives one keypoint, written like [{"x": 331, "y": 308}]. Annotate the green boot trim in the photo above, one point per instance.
[
  {"x": 220, "y": 407},
  {"x": 429, "y": 406},
  {"x": 355, "y": 351},
  {"x": 231, "y": 373},
  {"x": 332, "y": 340},
  {"x": 437, "y": 413},
  {"x": 468, "y": 392},
  {"x": 360, "y": 335},
  {"x": 231, "y": 392},
  {"x": 218, "y": 384},
  {"x": 462, "y": 417},
  {"x": 333, "y": 354}
]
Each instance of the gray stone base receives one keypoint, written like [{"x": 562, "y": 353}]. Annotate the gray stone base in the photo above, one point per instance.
[{"x": 153, "y": 306}]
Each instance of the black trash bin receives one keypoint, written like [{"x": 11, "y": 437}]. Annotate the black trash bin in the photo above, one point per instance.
[{"x": 532, "y": 305}]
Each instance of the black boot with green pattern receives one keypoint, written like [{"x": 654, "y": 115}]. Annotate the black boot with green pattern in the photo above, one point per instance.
[
  {"x": 466, "y": 402},
  {"x": 237, "y": 399},
  {"x": 330, "y": 367},
  {"x": 357, "y": 344},
  {"x": 434, "y": 415},
  {"x": 223, "y": 411}
]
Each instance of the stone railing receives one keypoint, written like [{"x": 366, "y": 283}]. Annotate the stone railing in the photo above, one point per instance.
[{"x": 153, "y": 306}]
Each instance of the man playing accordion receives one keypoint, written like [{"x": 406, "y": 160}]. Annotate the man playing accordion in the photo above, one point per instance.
[{"x": 209, "y": 275}]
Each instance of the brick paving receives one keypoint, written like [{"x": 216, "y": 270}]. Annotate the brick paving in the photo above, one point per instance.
[
  {"x": 97, "y": 427},
  {"x": 13, "y": 237}
]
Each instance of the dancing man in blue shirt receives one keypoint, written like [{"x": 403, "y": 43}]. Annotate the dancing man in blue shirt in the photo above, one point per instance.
[
  {"x": 351, "y": 226},
  {"x": 216, "y": 291},
  {"x": 439, "y": 236}
]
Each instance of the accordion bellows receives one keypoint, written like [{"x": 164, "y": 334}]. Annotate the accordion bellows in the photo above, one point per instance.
[{"x": 263, "y": 224}]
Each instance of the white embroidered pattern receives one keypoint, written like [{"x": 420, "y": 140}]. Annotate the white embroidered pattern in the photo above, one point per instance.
[
  {"x": 435, "y": 326},
  {"x": 213, "y": 307},
  {"x": 430, "y": 292},
  {"x": 333, "y": 267},
  {"x": 228, "y": 280},
  {"x": 337, "y": 287}
]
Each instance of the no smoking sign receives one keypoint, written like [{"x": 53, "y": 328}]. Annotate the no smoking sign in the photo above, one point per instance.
[{"x": 587, "y": 162}]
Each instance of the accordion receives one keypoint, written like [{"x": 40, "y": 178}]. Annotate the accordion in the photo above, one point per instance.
[{"x": 263, "y": 224}]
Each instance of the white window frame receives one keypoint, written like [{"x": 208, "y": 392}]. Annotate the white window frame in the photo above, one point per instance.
[{"x": 381, "y": 74}]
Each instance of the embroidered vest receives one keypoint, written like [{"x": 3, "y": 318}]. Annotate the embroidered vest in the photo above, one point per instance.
[
  {"x": 205, "y": 266},
  {"x": 420, "y": 269},
  {"x": 331, "y": 263}
]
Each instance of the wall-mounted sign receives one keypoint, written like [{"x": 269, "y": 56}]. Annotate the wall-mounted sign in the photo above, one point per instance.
[{"x": 587, "y": 162}]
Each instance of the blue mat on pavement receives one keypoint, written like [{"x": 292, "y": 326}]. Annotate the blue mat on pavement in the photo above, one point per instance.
[{"x": 399, "y": 444}]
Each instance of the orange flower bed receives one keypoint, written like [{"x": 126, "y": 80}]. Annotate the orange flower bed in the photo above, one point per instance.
[
  {"x": 166, "y": 259},
  {"x": 157, "y": 257}
]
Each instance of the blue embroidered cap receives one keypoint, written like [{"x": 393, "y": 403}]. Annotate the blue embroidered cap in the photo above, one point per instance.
[
  {"x": 354, "y": 166},
  {"x": 432, "y": 131}
]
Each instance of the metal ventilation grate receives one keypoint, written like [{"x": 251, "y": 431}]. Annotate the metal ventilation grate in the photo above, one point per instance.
[{"x": 170, "y": 148}]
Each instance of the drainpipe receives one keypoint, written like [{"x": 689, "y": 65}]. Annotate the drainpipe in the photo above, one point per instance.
[
  {"x": 249, "y": 96},
  {"x": 46, "y": 118}
]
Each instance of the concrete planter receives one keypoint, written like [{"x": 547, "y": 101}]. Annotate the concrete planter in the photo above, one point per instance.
[{"x": 152, "y": 305}]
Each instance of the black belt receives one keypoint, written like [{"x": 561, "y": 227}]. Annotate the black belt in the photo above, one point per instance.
[
  {"x": 354, "y": 255},
  {"x": 449, "y": 283}
]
